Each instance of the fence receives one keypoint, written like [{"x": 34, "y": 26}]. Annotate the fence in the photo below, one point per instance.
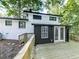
[
  {"x": 27, "y": 52},
  {"x": 25, "y": 37}
]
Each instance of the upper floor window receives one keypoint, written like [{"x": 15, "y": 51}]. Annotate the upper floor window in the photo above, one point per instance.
[
  {"x": 25, "y": 16},
  {"x": 22, "y": 24},
  {"x": 8, "y": 22},
  {"x": 59, "y": 18},
  {"x": 36, "y": 17},
  {"x": 53, "y": 18}
]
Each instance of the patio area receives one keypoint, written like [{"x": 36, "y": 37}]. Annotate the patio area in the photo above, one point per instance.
[{"x": 66, "y": 50}]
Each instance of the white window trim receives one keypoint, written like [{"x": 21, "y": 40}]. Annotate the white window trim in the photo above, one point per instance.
[{"x": 44, "y": 32}]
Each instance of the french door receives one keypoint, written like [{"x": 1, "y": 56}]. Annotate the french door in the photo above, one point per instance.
[{"x": 59, "y": 34}]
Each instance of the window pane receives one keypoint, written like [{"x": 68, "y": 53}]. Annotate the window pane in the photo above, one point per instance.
[
  {"x": 44, "y": 31},
  {"x": 36, "y": 17},
  {"x": 25, "y": 16},
  {"x": 56, "y": 33},
  {"x": 22, "y": 24},
  {"x": 53, "y": 18},
  {"x": 8, "y": 22},
  {"x": 61, "y": 33}
]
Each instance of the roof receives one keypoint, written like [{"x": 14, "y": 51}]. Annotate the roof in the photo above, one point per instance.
[
  {"x": 13, "y": 18},
  {"x": 50, "y": 25},
  {"x": 42, "y": 13}
]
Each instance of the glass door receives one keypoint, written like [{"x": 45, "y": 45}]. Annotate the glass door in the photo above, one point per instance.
[
  {"x": 56, "y": 33},
  {"x": 59, "y": 34},
  {"x": 62, "y": 33}
]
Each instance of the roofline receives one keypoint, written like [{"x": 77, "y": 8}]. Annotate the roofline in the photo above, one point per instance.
[
  {"x": 50, "y": 25},
  {"x": 42, "y": 13},
  {"x": 12, "y": 18}
]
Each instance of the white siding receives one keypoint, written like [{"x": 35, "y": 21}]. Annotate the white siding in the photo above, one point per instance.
[
  {"x": 12, "y": 32},
  {"x": 44, "y": 20}
]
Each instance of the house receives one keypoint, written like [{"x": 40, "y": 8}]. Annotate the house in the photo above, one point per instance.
[{"x": 46, "y": 27}]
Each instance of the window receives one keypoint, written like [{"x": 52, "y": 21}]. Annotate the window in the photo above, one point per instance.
[
  {"x": 25, "y": 16},
  {"x": 53, "y": 18},
  {"x": 8, "y": 22},
  {"x": 22, "y": 24},
  {"x": 44, "y": 31},
  {"x": 56, "y": 33},
  {"x": 59, "y": 18},
  {"x": 62, "y": 33},
  {"x": 36, "y": 17}
]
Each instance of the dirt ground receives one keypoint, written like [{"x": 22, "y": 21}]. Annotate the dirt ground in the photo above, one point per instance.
[{"x": 9, "y": 48}]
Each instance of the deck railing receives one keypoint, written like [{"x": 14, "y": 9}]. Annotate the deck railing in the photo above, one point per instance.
[
  {"x": 27, "y": 52},
  {"x": 25, "y": 37}
]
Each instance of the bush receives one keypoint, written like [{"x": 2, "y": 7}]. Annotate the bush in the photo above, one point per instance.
[{"x": 74, "y": 37}]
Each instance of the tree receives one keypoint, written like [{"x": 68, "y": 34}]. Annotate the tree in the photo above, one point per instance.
[
  {"x": 70, "y": 12},
  {"x": 71, "y": 15},
  {"x": 14, "y": 7},
  {"x": 53, "y": 6}
]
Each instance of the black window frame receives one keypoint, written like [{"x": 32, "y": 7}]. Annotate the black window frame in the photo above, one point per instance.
[
  {"x": 25, "y": 16},
  {"x": 37, "y": 17},
  {"x": 21, "y": 25},
  {"x": 53, "y": 18},
  {"x": 8, "y": 22}
]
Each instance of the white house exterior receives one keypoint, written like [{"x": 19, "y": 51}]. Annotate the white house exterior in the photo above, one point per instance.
[{"x": 11, "y": 28}]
